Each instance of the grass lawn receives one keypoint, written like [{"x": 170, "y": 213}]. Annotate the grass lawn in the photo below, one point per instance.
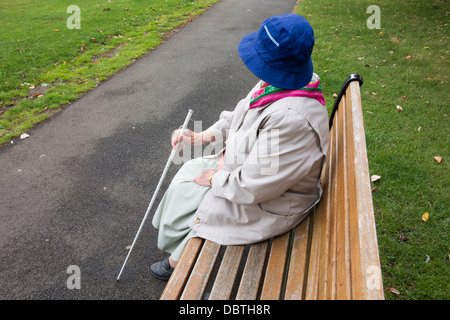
[
  {"x": 404, "y": 63},
  {"x": 44, "y": 64}
]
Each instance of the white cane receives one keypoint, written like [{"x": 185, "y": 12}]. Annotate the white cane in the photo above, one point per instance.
[{"x": 172, "y": 154}]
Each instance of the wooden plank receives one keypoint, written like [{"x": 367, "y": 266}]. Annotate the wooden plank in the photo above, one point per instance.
[
  {"x": 328, "y": 203},
  {"x": 343, "y": 287},
  {"x": 318, "y": 230},
  {"x": 327, "y": 287},
  {"x": 248, "y": 288},
  {"x": 314, "y": 253},
  {"x": 223, "y": 284},
  {"x": 177, "y": 281},
  {"x": 295, "y": 285},
  {"x": 276, "y": 266},
  {"x": 370, "y": 269},
  {"x": 353, "y": 211},
  {"x": 196, "y": 285}
]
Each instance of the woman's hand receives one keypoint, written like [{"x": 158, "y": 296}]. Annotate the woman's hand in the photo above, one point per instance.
[
  {"x": 204, "y": 178},
  {"x": 191, "y": 137},
  {"x": 188, "y": 136}
]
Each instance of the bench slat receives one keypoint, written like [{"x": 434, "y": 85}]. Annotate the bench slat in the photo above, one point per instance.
[
  {"x": 327, "y": 280},
  {"x": 343, "y": 286},
  {"x": 274, "y": 279},
  {"x": 318, "y": 275},
  {"x": 198, "y": 280},
  {"x": 180, "y": 275},
  {"x": 354, "y": 225},
  {"x": 319, "y": 233},
  {"x": 248, "y": 288},
  {"x": 370, "y": 272},
  {"x": 223, "y": 284},
  {"x": 298, "y": 263}
]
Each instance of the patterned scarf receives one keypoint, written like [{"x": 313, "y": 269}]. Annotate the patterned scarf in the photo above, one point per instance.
[{"x": 268, "y": 93}]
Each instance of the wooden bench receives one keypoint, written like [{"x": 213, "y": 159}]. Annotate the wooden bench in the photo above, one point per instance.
[{"x": 332, "y": 254}]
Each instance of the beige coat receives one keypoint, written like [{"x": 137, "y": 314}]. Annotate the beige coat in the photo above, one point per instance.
[{"x": 270, "y": 177}]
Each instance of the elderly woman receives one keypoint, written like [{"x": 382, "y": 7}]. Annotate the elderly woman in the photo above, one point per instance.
[{"x": 267, "y": 178}]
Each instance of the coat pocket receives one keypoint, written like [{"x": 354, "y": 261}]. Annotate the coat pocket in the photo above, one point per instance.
[{"x": 279, "y": 206}]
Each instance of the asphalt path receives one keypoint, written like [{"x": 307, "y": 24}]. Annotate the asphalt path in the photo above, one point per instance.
[{"x": 74, "y": 193}]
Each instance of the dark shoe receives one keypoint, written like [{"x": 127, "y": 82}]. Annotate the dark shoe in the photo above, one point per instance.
[{"x": 161, "y": 270}]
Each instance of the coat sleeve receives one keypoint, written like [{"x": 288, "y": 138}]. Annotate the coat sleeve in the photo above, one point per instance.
[
  {"x": 285, "y": 151},
  {"x": 221, "y": 128}
]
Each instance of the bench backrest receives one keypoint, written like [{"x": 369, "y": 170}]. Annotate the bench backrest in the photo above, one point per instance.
[{"x": 344, "y": 259}]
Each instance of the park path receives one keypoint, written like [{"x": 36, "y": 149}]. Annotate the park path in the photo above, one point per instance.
[{"x": 76, "y": 190}]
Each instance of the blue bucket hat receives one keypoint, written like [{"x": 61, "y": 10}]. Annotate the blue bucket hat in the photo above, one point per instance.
[{"x": 280, "y": 51}]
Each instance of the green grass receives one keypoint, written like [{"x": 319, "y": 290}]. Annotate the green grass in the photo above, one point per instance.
[
  {"x": 45, "y": 65},
  {"x": 401, "y": 144}
]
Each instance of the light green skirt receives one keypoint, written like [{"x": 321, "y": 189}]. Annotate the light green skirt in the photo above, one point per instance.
[{"x": 178, "y": 206}]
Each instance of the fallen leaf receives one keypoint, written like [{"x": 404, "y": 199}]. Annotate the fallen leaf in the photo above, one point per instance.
[
  {"x": 128, "y": 247},
  {"x": 419, "y": 129},
  {"x": 374, "y": 188},
  {"x": 373, "y": 93},
  {"x": 427, "y": 260},
  {"x": 399, "y": 108},
  {"x": 426, "y": 47},
  {"x": 391, "y": 52},
  {"x": 393, "y": 290},
  {"x": 408, "y": 57},
  {"x": 442, "y": 57},
  {"x": 361, "y": 58},
  {"x": 335, "y": 95},
  {"x": 375, "y": 178},
  {"x": 425, "y": 216},
  {"x": 56, "y": 30},
  {"x": 402, "y": 237},
  {"x": 438, "y": 159},
  {"x": 24, "y": 136}
]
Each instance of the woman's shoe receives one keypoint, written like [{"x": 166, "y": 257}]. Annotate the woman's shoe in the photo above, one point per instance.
[{"x": 161, "y": 270}]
